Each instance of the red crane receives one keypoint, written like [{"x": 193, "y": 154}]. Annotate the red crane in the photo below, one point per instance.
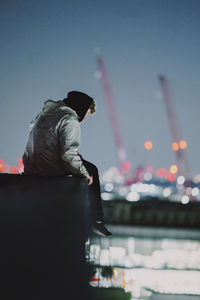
[
  {"x": 173, "y": 125},
  {"x": 110, "y": 102}
]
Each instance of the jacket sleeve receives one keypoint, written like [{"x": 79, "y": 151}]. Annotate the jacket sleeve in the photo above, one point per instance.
[{"x": 69, "y": 141}]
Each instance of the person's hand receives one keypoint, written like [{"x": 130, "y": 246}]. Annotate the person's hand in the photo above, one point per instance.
[{"x": 90, "y": 180}]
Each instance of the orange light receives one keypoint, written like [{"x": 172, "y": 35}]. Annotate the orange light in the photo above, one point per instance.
[
  {"x": 1, "y": 165},
  {"x": 126, "y": 166},
  {"x": 148, "y": 145},
  {"x": 173, "y": 169},
  {"x": 183, "y": 144},
  {"x": 171, "y": 177},
  {"x": 175, "y": 146},
  {"x": 14, "y": 170}
]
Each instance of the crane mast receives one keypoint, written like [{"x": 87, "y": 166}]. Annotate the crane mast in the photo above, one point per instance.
[
  {"x": 173, "y": 124},
  {"x": 110, "y": 102}
]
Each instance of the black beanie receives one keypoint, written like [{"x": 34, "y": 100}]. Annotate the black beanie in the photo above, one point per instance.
[{"x": 79, "y": 102}]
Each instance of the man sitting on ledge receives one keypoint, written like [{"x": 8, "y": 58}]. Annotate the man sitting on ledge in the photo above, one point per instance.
[{"x": 52, "y": 148}]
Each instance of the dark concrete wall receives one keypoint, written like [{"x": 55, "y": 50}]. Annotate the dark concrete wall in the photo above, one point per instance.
[{"x": 43, "y": 226}]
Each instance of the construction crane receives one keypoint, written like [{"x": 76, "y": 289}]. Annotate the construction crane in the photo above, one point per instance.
[
  {"x": 174, "y": 127},
  {"x": 110, "y": 102}
]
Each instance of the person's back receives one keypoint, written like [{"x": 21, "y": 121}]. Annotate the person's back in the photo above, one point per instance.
[{"x": 53, "y": 142}]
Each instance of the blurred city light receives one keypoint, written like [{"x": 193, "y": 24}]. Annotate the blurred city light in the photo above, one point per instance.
[
  {"x": 105, "y": 257},
  {"x": 106, "y": 196},
  {"x": 133, "y": 196},
  {"x": 173, "y": 169},
  {"x": 181, "y": 179},
  {"x": 167, "y": 192},
  {"x": 148, "y": 145},
  {"x": 14, "y": 170},
  {"x": 175, "y": 146},
  {"x": 185, "y": 199},
  {"x": 20, "y": 165},
  {"x": 20, "y": 162},
  {"x": 143, "y": 188},
  {"x": 1, "y": 165},
  {"x": 126, "y": 166},
  {"x": 153, "y": 188},
  {"x": 196, "y": 178},
  {"x": 162, "y": 172},
  {"x": 147, "y": 176},
  {"x": 108, "y": 187},
  {"x": 195, "y": 192},
  {"x": 171, "y": 177},
  {"x": 183, "y": 144}
]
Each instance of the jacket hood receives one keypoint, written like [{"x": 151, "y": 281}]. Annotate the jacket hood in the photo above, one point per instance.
[
  {"x": 50, "y": 107},
  {"x": 79, "y": 102}
]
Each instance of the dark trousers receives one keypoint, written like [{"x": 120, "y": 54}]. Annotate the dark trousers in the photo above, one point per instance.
[{"x": 94, "y": 191}]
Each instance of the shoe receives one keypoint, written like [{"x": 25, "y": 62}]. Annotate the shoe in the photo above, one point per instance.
[{"x": 99, "y": 228}]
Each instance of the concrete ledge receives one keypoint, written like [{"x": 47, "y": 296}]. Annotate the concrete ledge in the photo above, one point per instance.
[{"x": 43, "y": 226}]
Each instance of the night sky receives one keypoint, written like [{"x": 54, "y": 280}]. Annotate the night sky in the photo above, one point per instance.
[{"x": 47, "y": 49}]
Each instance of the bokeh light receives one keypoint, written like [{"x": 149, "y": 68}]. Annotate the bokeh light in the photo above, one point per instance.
[
  {"x": 126, "y": 166},
  {"x": 20, "y": 162},
  {"x": 133, "y": 196},
  {"x": 109, "y": 187},
  {"x": 14, "y": 170},
  {"x": 171, "y": 177},
  {"x": 183, "y": 144},
  {"x": 106, "y": 196},
  {"x": 147, "y": 176},
  {"x": 173, "y": 169},
  {"x": 162, "y": 172},
  {"x": 167, "y": 192},
  {"x": 181, "y": 179},
  {"x": 195, "y": 191},
  {"x": 148, "y": 145},
  {"x": 175, "y": 146},
  {"x": 185, "y": 199},
  {"x": 1, "y": 165},
  {"x": 196, "y": 178}
]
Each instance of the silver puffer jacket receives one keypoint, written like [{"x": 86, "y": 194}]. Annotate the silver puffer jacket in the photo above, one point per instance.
[{"x": 53, "y": 143}]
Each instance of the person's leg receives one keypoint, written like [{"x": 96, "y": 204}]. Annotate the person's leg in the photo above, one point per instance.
[
  {"x": 94, "y": 191},
  {"x": 95, "y": 200}
]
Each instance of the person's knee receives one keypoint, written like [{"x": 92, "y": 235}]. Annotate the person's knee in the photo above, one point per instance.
[{"x": 92, "y": 170}]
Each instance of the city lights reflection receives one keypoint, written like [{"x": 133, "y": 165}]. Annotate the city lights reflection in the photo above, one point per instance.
[{"x": 145, "y": 266}]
